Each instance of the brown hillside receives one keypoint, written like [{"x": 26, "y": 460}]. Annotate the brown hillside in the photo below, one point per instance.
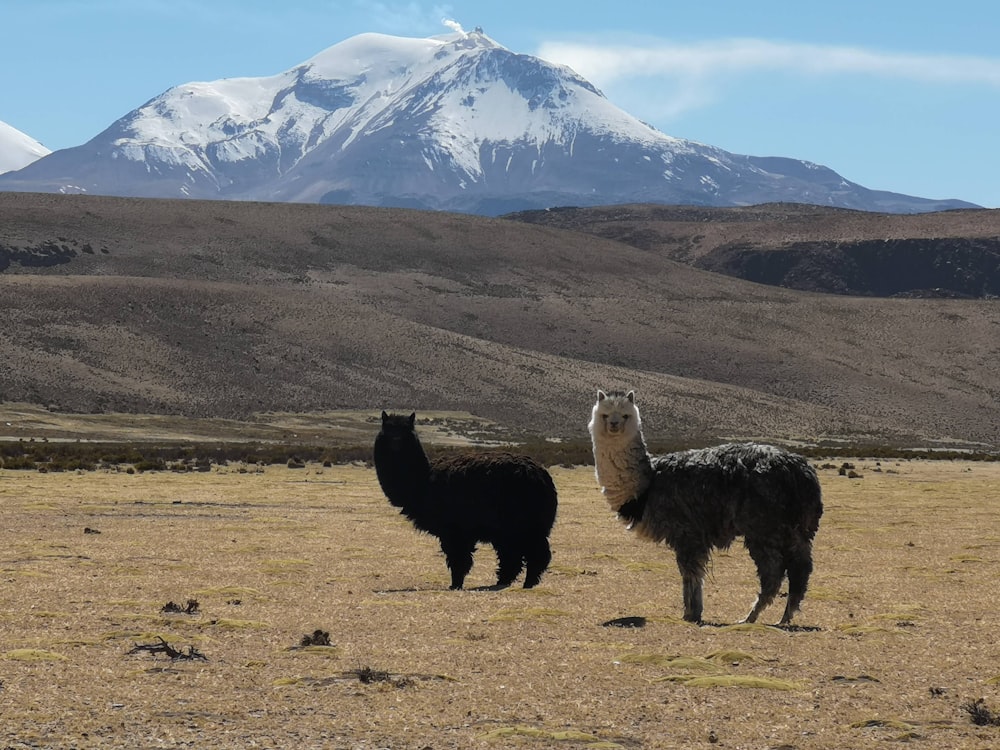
[
  {"x": 230, "y": 309},
  {"x": 811, "y": 248}
]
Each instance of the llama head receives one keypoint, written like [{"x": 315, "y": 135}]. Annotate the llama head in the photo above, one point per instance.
[
  {"x": 615, "y": 416},
  {"x": 397, "y": 428}
]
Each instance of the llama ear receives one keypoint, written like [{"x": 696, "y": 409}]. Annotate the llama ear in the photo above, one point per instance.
[
  {"x": 413, "y": 418},
  {"x": 384, "y": 416},
  {"x": 601, "y": 395},
  {"x": 630, "y": 396}
]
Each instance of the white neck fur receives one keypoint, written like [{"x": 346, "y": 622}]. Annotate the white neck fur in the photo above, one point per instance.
[{"x": 621, "y": 460}]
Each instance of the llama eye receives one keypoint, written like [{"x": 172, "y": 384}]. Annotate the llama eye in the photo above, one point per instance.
[{"x": 625, "y": 417}]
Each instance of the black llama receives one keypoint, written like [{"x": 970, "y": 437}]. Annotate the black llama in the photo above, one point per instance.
[
  {"x": 699, "y": 499},
  {"x": 502, "y": 499}
]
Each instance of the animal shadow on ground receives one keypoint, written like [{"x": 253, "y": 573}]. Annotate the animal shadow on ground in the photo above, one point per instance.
[
  {"x": 787, "y": 627},
  {"x": 631, "y": 621}
]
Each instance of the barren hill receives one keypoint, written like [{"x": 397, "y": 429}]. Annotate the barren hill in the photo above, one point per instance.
[
  {"x": 230, "y": 309},
  {"x": 811, "y": 248}
]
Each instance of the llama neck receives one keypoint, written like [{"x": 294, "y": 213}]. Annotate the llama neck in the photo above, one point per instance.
[
  {"x": 403, "y": 474},
  {"x": 623, "y": 468}
]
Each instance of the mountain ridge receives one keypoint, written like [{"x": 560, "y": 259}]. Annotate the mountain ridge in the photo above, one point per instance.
[{"x": 454, "y": 123}]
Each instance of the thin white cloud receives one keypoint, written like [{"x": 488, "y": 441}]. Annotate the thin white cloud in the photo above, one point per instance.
[
  {"x": 406, "y": 18},
  {"x": 608, "y": 64}
]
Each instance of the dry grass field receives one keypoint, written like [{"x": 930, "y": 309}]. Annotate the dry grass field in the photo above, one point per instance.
[{"x": 898, "y": 634}]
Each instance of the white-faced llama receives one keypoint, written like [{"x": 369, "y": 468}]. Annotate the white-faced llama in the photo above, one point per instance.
[
  {"x": 502, "y": 499},
  {"x": 697, "y": 500}
]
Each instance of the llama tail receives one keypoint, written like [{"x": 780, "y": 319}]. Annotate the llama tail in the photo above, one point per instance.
[
  {"x": 809, "y": 508},
  {"x": 813, "y": 502}
]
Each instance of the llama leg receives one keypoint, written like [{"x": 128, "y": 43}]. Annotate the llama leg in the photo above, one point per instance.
[
  {"x": 510, "y": 562},
  {"x": 538, "y": 557},
  {"x": 692, "y": 566},
  {"x": 770, "y": 570},
  {"x": 799, "y": 565},
  {"x": 458, "y": 554}
]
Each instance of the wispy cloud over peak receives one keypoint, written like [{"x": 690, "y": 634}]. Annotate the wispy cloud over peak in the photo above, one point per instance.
[{"x": 606, "y": 64}]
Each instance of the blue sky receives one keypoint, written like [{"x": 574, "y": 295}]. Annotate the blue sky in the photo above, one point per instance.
[{"x": 901, "y": 96}]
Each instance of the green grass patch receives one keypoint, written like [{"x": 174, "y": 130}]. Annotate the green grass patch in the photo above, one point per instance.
[
  {"x": 684, "y": 663},
  {"x": 565, "y": 735},
  {"x": 896, "y": 724},
  {"x": 230, "y": 624},
  {"x": 730, "y": 657},
  {"x": 32, "y": 654},
  {"x": 749, "y": 627},
  {"x": 329, "y": 652},
  {"x": 733, "y": 680}
]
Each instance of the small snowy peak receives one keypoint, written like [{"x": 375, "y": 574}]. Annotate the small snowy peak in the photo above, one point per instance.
[
  {"x": 373, "y": 56},
  {"x": 475, "y": 39},
  {"x": 198, "y": 113},
  {"x": 18, "y": 149}
]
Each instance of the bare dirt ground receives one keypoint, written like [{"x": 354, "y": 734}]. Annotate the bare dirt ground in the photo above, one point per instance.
[{"x": 898, "y": 632}]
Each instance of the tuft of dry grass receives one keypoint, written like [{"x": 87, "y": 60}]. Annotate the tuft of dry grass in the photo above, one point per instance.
[{"x": 395, "y": 659}]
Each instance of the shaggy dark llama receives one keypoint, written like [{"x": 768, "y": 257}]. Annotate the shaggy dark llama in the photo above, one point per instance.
[
  {"x": 697, "y": 500},
  {"x": 502, "y": 499}
]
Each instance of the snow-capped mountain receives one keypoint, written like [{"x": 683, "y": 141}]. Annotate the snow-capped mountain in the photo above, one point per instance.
[
  {"x": 18, "y": 149},
  {"x": 456, "y": 122}
]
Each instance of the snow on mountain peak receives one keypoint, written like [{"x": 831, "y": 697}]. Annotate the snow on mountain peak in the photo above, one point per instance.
[
  {"x": 18, "y": 149},
  {"x": 239, "y": 118},
  {"x": 372, "y": 55},
  {"x": 468, "y": 89}
]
